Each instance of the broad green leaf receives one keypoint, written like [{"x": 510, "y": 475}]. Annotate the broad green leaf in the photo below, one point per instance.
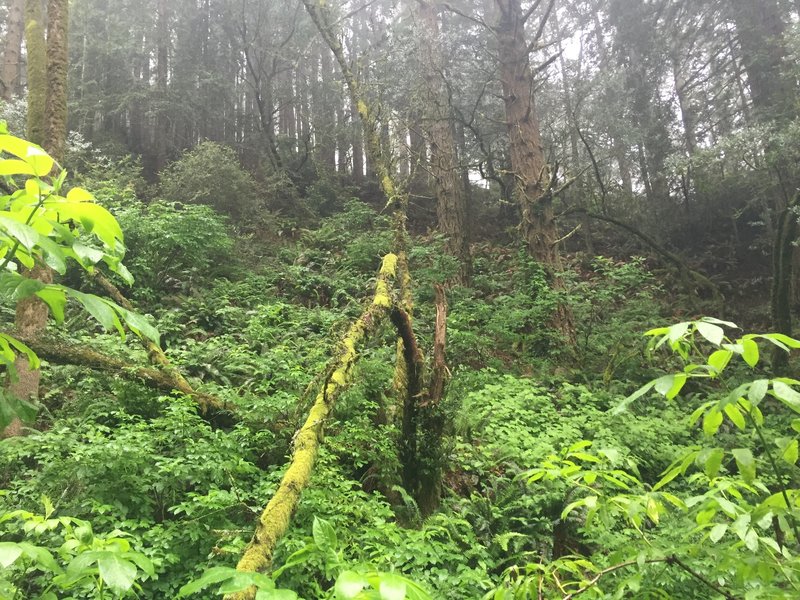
[
  {"x": 14, "y": 145},
  {"x": 657, "y": 331},
  {"x": 670, "y": 385},
  {"x": 92, "y": 217},
  {"x": 719, "y": 322},
  {"x": 392, "y": 587},
  {"x": 719, "y": 359},
  {"x": 745, "y": 462},
  {"x": 750, "y": 352},
  {"x": 39, "y": 160},
  {"x": 12, "y": 166},
  {"x": 54, "y": 255},
  {"x": 56, "y": 300},
  {"x": 25, "y": 234},
  {"x": 87, "y": 254},
  {"x": 349, "y": 584},
  {"x": 324, "y": 535},
  {"x": 735, "y": 415},
  {"x": 77, "y": 194},
  {"x": 757, "y": 391},
  {"x": 117, "y": 573},
  {"x": 717, "y": 532},
  {"x": 271, "y": 594},
  {"x": 21, "y": 348},
  {"x": 139, "y": 324},
  {"x": 790, "y": 453},
  {"x": 9, "y": 553},
  {"x": 713, "y": 333},
  {"x": 741, "y": 525},
  {"x": 782, "y": 338},
  {"x": 751, "y": 540},
  {"x": 210, "y": 577},
  {"x": 786, "y": 394},
  {"x": 677, "y": 331},
  {"x": 623, "y": 406},
  {"x": 100, "y": 309},
  {"x": 711, "y": 460},
  {"x": 237, "y": 582},
  {"x": 712, "y": 420}
]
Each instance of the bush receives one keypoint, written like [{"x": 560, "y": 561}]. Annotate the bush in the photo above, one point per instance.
[
  {"x": 210, "y": 174},
  {"x": 171, "y": 246}
]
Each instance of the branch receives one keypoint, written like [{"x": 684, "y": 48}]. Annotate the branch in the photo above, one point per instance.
[
  {"x": 154, "y": 378},
  {"x": 468, "y": 17},
  {"x": 670, "y": 560}
]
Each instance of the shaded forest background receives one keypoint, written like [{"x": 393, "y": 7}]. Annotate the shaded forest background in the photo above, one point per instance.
[{"x": 673, "y": 117}]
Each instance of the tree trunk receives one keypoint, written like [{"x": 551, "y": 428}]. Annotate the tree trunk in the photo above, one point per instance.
[
  {"x": 761, "y": 33},
  {"x": 9, "y": 78},
  {"x": 57, "y": 66},
  {"x": 782, "y": 275},
  {"x": 46, "y": 92},
  {"x": 162, "y": 74},
  {"x": 527, "y": 154},
  {"x": 451, "y": 201},
  {"x": 37, "y": 70}
]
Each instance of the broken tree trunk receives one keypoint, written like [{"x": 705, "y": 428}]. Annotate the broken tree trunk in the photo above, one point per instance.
[
  {"x": 274, "y": 521},
  {"x": 423, "y": 420}
]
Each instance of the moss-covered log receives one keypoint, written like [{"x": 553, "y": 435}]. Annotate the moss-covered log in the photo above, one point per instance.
[
  {"x": 158, "y": 379},
  {"x": 274, "y": 521}
]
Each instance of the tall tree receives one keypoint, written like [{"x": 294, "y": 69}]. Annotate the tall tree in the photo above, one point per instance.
[
  {"x": 761, "y": 33},
  {"x": 36, "y": 70}
]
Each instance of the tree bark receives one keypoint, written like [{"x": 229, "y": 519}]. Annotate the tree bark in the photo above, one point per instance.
[
  {"x": 163, "y": 380},
  {"x": 451, "y": 198},
  {"x": 15, "y": 28},
  {"x": 57, "y": 66},
  {"x": 528, "y": 163},
  {"x": 37, "y": 70},
  {"x": 782, "y": 275}
]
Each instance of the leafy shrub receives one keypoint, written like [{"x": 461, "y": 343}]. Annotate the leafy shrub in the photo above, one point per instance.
[
  {"x": 174, "y": 247},
  {"x": 210, "y": 174}
]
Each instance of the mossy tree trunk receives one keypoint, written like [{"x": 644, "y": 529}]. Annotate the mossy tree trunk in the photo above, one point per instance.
[
  {"x": 57, "y": 66},
  {"x": 274, "y": 521},
  {"x": 36, "y": 70}
]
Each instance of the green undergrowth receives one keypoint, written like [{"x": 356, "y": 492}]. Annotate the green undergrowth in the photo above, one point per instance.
[{"x": 254, "y": 321}]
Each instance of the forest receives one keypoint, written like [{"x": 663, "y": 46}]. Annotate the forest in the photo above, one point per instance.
[{"x": 399, "y": 299}]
